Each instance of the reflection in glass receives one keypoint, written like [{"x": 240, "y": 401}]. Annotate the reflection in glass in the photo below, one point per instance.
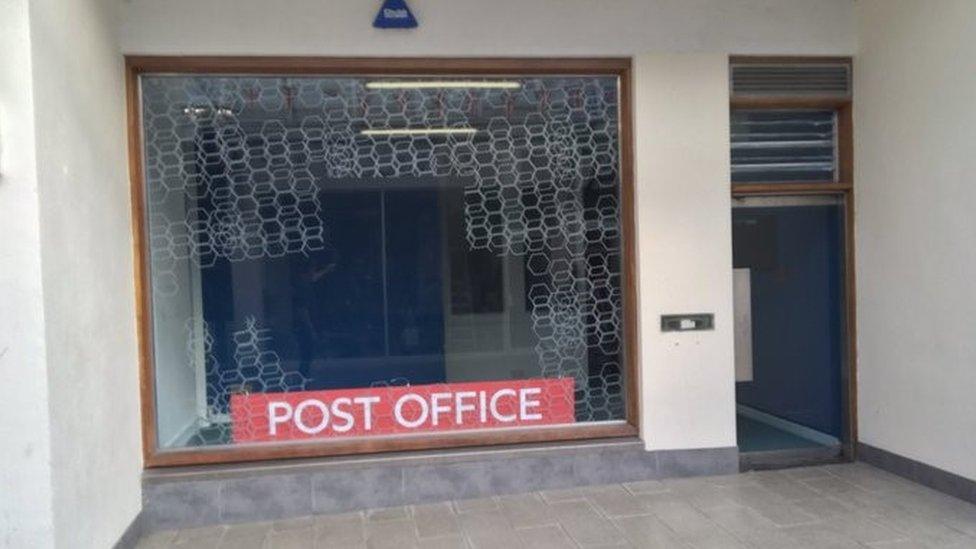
[{"x": 292, "y": 249}]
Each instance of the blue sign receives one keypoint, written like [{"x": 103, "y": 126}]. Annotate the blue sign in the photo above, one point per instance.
[{"x": 395, "y": 15}]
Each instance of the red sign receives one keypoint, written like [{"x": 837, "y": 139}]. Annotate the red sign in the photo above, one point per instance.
[{"x": 262, "y": 417}]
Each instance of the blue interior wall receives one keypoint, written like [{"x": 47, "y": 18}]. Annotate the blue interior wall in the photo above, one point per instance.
[
  {"x": 324, "y": 311},
  {"x": 796, "y": 256}
]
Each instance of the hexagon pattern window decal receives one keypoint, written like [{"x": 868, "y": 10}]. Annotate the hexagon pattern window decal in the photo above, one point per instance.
[{"x": 299, "y": 228}]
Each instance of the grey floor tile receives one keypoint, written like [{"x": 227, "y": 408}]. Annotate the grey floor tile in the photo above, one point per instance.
[
  {"x": 686, "y": 521},
  {"x": 833, "y": 507},
  {"x": 787, "y": 488},
  {"x": 753, "y": 493},
  {"x": 712, "y": 496},
  {"x": 585, "y": 525},
  {"x": 738, "y": 519},
  {"x": 388, "y": 513},
  {"x": 565, "y": 494},
  {"x": 298, "y": 523},
  {"x": 445, "y": 542},
  {"x": 821, "y": 537},
  {"x": 771, "y": 505},
  {"x": 298, "y": 538},
  {"x": 488, "y": 529},
  {"x": 803, "y": 473},
  {"x": 645, "y": 487},
  {"x": 336, "y": 531},
  {"x": 868, "y": 478},
  {"x": 832, "y": 485},
  {"x": 391, "y": 534},
  {"x": 204, "y": 537},
  {"x": 863, "y": 529},
  {"x": 758, "y": 539},
  {"x": 615, "y": 501},
  {"x": 685, "y": 486},
  {"x": 647, "y": 531},
  {"x": 951, "y": 511},
  {"x": 900, "y": 544},
  {"x": 693, "y": 527},
  {"x": 435, "y": 520},
  {"x": 822, "y": 507},
  {"x": 737, "y": 479},
  {"x": 784, "y": 513},
  {"x": 924, "y": 529},
  {"x": 545, "y": 537},
  {"x": 964, "y": 524},
  {"x": 201, "y": 543},
  {"x": 864, "y": 503},
  {"x": 654, "y": 499},
  {"x": 475, "y": 504},
  {"x": 246, "y": 536},
  {"x": 719, "y": 542},
  {"x": 157, "y": 540},
  {"x": 526, "y": 510}
]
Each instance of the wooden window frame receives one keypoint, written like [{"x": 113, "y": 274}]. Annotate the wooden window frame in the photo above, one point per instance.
[
  {"x": 843, "y": 188},
  {"x": 844, "y": 128},
  {"x": 154, "y": 456}
]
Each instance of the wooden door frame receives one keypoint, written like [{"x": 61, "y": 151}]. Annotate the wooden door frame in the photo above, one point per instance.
[
  {"x": 843, "y": 188},
  {"x": 135, "y": 66}
]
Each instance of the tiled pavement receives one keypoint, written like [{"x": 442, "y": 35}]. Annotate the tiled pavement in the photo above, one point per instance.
[{"x": 832, "y": 506}]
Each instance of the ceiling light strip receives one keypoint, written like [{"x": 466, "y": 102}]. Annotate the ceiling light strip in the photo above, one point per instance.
[
  {"x": 453, "y": 84},
  {"x": 420, "y": 131}
]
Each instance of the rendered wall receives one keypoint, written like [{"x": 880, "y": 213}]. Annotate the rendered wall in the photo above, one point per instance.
[
  {"x": 684, "y": 248},
  {"x": 86, "y": 255},
  {"x": 500, "y": 27},
  {"x": 25, "y": 478},
  {"x": 915, "y": 133}
]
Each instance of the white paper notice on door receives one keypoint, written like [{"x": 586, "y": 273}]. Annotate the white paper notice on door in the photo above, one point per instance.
[{"x": 742, "y": 309}]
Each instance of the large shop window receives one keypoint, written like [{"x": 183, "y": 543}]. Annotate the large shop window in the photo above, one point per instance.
[{"x": 342, "y": 257}]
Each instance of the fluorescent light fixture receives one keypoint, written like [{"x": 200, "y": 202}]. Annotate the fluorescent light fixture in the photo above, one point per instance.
[
  {"x": 420, "y": 131},
  {"x": 428, "y": 84}
]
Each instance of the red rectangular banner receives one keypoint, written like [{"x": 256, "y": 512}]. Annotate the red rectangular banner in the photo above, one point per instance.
[{"x": 261, "y": 417}]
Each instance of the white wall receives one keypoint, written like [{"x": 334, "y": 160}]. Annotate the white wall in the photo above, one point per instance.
[
  {"x": 25, "y": 482},
  {"x": 915, "y": 137},
  {"x": 496, "y": 27},
  {"x": 685, "y": 248},
  {"x": 86, "y": 255}
]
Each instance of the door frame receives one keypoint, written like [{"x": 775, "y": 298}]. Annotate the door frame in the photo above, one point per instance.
[{"x": 844, "y": 188}]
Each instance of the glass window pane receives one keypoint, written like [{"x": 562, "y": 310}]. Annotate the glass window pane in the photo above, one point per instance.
[
  {"x": 789, "y": 253},
  {"x": 783, "y": 146},
  {"x": 337, "y": 257}
]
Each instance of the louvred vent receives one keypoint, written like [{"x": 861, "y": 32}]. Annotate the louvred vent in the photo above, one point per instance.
[{"x": 786, "y": 79}]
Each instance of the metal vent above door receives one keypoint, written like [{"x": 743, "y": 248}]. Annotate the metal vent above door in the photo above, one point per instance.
[{"x": 791, "y": 79}]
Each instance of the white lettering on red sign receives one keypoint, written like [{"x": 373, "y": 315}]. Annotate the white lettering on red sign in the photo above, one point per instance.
[{"x": 389, "y": 410}]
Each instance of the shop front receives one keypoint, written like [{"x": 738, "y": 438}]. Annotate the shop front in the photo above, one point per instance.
[{"x": 345, "y": 256}]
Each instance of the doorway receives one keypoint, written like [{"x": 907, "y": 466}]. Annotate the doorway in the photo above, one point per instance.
[{"x": 790, "y": 303}]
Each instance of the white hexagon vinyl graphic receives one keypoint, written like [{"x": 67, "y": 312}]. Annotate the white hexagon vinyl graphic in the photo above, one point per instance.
[{"x": 540, "y": 175}]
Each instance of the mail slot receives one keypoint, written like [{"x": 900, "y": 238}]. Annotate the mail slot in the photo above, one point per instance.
[{"x": 687, "y": 322}]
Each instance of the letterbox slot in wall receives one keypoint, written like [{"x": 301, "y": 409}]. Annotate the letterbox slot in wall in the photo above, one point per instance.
[{"x": 694, "y": 322}]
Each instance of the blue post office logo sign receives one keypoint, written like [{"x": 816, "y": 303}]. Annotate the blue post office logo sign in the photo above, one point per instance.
[{"x": 394, "y": 14}]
